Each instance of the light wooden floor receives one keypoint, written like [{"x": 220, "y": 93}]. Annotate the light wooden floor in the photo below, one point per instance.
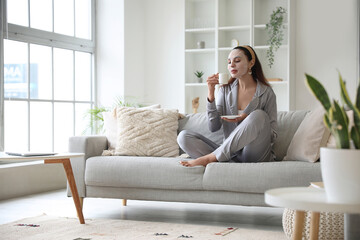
[{"x": 56, "y": 203}]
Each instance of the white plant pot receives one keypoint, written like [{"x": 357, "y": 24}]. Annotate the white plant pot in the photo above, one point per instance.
[{"x": 340, "y": 169}]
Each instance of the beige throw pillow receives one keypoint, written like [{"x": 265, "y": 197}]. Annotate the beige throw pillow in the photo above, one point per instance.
[
  {"x": 308, "y": 138},
  {"x": 110, "y": 125},
  {"x": 147, "y": 132}
]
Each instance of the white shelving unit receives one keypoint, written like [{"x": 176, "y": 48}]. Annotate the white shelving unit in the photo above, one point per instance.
[{"x": 217, "y": 22}]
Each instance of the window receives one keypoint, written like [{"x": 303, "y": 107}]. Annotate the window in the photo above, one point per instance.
[{"x": 47, "y": 82}]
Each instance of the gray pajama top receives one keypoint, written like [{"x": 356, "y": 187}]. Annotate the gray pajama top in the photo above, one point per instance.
[{"x": 226, "y": 104}]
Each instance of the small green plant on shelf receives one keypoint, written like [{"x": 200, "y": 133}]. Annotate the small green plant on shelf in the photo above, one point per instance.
[
  {"x": 335, "y": 118},
  {"x": 275, "y": 28},
  {"x": 199, "y": 75}
]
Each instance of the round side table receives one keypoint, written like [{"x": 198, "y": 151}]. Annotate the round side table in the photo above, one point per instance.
[{"x": 314, "y": 199}]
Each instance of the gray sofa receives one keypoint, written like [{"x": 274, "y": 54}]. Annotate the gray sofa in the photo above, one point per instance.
[{"x": 164, "y": 179}]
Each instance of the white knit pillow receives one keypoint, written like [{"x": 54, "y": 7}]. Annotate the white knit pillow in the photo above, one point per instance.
[
  {"x": 147, "y": 132},
  {"x": 110, "y": 125}
]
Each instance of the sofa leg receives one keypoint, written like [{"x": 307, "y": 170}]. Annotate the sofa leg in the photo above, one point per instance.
[{"x": 124, "y": 202}]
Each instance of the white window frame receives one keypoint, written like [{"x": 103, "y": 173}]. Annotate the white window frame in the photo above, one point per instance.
[{"x": 35, "y": 36}]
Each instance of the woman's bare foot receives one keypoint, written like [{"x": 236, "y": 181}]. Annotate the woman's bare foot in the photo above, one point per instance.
[{"x": 203, "y": 161}]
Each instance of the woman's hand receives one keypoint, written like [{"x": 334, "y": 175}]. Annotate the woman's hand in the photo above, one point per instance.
[
  {"x": 235, "y": 120},
  {"x": 211, "y": 82}
]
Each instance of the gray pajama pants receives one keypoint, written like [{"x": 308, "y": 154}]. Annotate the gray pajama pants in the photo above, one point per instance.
[{"x": 250, "y": 141}]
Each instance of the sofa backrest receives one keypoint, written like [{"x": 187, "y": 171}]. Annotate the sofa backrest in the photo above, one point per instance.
[{"x": 288, "y": 123}]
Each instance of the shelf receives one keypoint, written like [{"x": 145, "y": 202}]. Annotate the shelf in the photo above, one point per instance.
[
  {"x": 265, "y": 47},
  {"x": 204, "y": 50},
  {"x": 260, "y": 26},
  {"x": 234, "y": 28},
  {"x": 278, "y": 83},
  {"x": 217, "y": 23},
  {"x": 208, "y": 30},
  {"x": 263, "y": 26}
]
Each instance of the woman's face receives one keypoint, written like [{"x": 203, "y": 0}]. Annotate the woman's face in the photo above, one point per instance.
[{"x": 238, "y": 64}]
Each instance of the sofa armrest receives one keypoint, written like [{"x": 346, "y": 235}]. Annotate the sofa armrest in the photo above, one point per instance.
[{"x": 89, "y": 145}]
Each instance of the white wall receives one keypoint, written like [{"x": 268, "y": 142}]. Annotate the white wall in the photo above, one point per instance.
[
  {"x": 20, "y": 179},
  {"x": 140, "y": 57},
  {"x": 152, "y": 50},
  {"x": 164, "y": 65},
  {"x": 135, "y": 54},
  {"x": 326, "y": 41},
  {"x": 110, "y": 50}
]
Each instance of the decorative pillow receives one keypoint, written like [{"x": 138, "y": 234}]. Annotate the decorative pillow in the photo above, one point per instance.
[
  {"x": 308, "y": 138},
  {"x": 147, "y": 132},
  {"x": 110, "y": 125}
]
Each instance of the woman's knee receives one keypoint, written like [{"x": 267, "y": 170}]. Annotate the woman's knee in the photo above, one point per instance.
[
  {"x": 183, "y": 137},
  {"x": 259, "y": 117}
]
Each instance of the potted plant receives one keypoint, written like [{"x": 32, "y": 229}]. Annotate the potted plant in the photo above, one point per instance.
[
  {"x": 340, "y": 165},
  {"x": 199, "y": 75},
  {"x": 275, "y": 28}
]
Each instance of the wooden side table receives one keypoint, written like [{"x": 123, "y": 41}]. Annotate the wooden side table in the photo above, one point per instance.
[
  {"x": 313, "y": 199},
  {"x": 63, "y": 158}
]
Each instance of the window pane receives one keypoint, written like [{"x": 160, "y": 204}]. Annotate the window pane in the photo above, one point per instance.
[
  {"x": 17, "y": 11},
  {"x": 15, "y": 69},
  {"x": 63, "y": 74},
  {"x": 82, "y": 76},
  {"x": 40, "y": 72},
  {"x": 40, "y": 126},
  {"x": 64, "y": 17},
  {"x": 82, "y": 126},
  {"x": 16, "y": 126},
  {"x": 63, "y": 125},
  {"x": 41, "y": 14},
  {"x": 83, "y": 18}
]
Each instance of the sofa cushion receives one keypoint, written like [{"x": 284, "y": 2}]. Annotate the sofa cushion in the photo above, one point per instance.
[
  {"x": 288, "y": 123},
  {"x": 259, "y": 177},
  {"x": 142, "y": 172}
]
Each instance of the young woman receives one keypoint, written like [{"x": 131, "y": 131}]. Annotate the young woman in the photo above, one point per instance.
[{"x": 248, "y": 137}]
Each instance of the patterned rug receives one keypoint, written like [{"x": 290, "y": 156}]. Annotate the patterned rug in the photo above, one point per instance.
[{"x": 48, "y": 227}]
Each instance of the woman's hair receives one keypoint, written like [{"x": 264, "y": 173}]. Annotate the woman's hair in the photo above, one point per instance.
[{"x": 256, "y": 70}]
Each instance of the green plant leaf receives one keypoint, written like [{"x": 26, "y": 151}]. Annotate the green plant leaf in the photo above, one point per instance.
[
  {"x": 357, "y": 100},
  {"x": 199, "y": 74},
  {"x": 275, "y": 31},
  {"x": 340, "y": 126},
  {"x": 327, "y": 121},
  {"x": 318, "y": 91},
  {"x": 355, "y": 137},
  {"x": 345, "y": 97}
]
